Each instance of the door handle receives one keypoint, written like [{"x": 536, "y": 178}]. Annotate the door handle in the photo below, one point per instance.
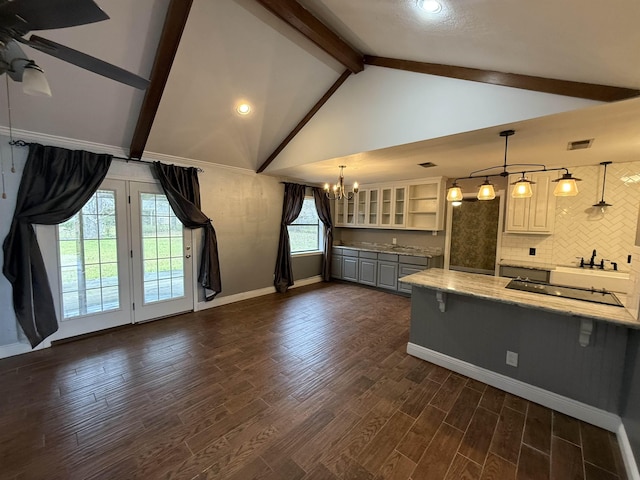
[{"x": 188, "y": 256}]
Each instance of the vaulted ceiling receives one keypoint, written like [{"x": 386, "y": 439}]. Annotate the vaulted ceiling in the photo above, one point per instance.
[{"x": 381, "y": 121}]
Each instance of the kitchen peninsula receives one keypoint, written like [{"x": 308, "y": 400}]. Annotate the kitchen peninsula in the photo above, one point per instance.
[{"x": 566, "y": 352}]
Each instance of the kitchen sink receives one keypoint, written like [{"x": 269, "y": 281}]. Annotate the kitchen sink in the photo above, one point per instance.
[{"x": 586, "y": 294}]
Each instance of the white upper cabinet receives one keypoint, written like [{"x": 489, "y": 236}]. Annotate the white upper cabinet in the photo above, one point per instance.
[
  {"x": 536, "y": 214},
  {"x": 416, "y": 205},
  {"x": 426, "y": 205}
]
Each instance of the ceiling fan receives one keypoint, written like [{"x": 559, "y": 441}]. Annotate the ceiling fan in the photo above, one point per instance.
[{"x": 19, "y": 17}]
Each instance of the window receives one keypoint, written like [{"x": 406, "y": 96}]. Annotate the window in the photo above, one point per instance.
[
  {"x": 87, "y": 245},
  {"x": 306, "y": 232}
]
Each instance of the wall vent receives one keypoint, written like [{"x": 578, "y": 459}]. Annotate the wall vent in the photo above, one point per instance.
[
  {"x": 580, "y": 144},
  {"x": 427, "y": 164}
]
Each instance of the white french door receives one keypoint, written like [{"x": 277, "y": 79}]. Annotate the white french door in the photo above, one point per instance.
[
  {"x": 161, "y": 256},
  {"x": 123, "y": 258}
]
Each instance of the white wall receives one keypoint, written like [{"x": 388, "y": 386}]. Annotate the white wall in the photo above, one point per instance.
[
  {"x": 580, "y": 228},
  {"x": 383, "y": 107}
]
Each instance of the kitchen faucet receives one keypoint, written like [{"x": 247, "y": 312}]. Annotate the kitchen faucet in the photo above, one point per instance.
[{"x": 593, "y": 258}]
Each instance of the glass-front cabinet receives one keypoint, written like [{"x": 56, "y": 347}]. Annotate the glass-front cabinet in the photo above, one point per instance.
[
  {"x": 412, "y": 205},
  {"x": 372, "y": 207}
]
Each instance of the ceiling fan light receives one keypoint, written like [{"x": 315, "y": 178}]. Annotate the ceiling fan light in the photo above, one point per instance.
[
  {"x": 34, "y": 82},
  {"x": 486, "y": 192},
  {"x": 566, "y": 186},
  {"x": 454, "y": 194},
  {"x": 522, "y": 189}
]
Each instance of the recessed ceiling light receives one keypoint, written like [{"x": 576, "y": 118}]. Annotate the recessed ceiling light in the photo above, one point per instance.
[
  {"x": 431, "y": 6},
  {"x": 243, "y": 109}
]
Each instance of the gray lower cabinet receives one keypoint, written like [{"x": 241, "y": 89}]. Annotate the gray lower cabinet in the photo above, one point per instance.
[
  {"x": 387, "y": 275},
  {"x": 407, "y": 270},
  {"x": 378, "y": 269},
  {"x": 410, "y": 264},
  {"x": 336, "y": 266},
  {"x": 367, "y": 271},
  {"x": 350, "y": 268}
]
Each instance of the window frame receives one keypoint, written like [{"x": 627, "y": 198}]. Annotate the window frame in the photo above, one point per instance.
[{"x": 320, "y": 225}]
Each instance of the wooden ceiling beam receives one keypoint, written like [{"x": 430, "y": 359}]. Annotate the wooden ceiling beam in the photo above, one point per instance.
[
  {"x": 174, "y": 24},
  {"x": 302, "y": 20},
  {"x": 603, "y": 93},
  {"x": 305, "y": 120}
]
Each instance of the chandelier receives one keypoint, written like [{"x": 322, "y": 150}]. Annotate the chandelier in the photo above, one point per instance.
[
  {"x": 338, "y": 192},
  {"x": 566, "y": 185}
]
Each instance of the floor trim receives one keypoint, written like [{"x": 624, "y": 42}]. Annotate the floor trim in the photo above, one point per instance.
[
  {"x": 595, "y": 416},
  {"x": 217, "y": 302}
]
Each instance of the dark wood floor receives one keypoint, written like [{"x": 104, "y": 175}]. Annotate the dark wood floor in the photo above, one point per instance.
[{"x": 314, "y": 384}]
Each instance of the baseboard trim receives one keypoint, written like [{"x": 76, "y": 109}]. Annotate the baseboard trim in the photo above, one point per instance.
[
  {"x": 238, "y": 297},
  {"x": 595, "y": 416},
  {"x": 19, "y": 348},
  {"x": 627, "y": 454}
]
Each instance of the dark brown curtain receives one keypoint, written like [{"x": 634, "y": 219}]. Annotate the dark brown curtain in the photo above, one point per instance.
[
  {"x": 324, "y": 214},
  {"x": 293, "y": 200},
  {"x": 55, "y": 185},
  {"x": 182, "y": 188}
]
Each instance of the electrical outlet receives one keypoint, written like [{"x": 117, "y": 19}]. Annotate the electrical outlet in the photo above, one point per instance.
[
  {"x": 512, "y": 358},
  {"x": 393, "y": 240}
]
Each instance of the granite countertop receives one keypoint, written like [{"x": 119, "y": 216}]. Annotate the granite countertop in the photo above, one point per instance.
[
  {"x": 393, "y": 249},
  {"x": 493, "y": 288}
]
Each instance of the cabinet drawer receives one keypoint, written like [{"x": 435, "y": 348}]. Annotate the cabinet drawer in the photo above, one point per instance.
[
  {"x": 349, "y": 253},
  {"x": 424, "y": 261},
  {"x": 387, "y": 257},
  {"x": 522, "y": 272},
  {"x": 372, "y": 255},
  {"x": 336, "y": 251}
]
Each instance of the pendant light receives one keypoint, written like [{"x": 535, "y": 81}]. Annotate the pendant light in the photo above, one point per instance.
[
  {"x": 486, "y": 191},
  {"x": 602, "y": 204},
  {"x": 566, "y": 186},
  {"x": 522, "y": 188},
  {"x": 454, "y": 194}
]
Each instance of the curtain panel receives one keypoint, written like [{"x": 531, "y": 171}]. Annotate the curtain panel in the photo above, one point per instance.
[
  {"x": 323, "y": 207},
  {"x": 182, "y": 188},
  {"x": 291, "y": 207},
  {"x": 55, "y": 185}
]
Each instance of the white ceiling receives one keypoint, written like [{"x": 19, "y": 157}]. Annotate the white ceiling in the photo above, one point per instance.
[{"x": 235, "y": 49}]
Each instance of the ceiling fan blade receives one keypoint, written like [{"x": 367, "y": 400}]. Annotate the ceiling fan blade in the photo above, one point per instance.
[
  {"x": 85, "y": 61},
  {"x": 26, "y": 15}
]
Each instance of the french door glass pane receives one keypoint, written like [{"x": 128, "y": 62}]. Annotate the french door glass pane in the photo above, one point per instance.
[
  {"x": 162, "y": 249},
  {"x": 88, "y": 258}
]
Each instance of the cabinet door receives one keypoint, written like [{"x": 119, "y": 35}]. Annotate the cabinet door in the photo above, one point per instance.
[
  {"x": 517, "y": 214},
  {"x": 399, "y": 206},
  {"x": 336, "y": 266},
  {"x": 339, "y": 209},
  {"x": 372, "y": 207},
  {"x": 542, "y": 206},
  {"x": 350, "y": 210},
  {"x": 386, "y": 207},
  {"x": 535, "y": 214},
  {"x": 350, "y": 268},
  {"x": 361, "y": 207},
  {"x": 367, "y": 271},
  {"x": 387, "y": 275}
]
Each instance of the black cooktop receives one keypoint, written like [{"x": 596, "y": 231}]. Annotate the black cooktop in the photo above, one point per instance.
[{"x": 585, "y": 294}]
